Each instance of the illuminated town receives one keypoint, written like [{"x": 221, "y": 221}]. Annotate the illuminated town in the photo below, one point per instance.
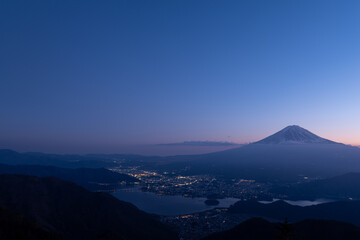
[{"x": 166, "y": 183}]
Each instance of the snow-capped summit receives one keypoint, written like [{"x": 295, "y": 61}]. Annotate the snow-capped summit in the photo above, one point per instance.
[{"x": 294, "y": 134}]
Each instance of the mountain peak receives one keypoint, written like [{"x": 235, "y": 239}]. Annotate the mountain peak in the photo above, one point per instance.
[{"x": 293, "y": 134}]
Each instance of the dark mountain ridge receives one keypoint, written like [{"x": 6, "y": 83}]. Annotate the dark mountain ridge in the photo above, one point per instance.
[
  {"x": 75, "y": 213},
  {"x": 260, "y": 229},
  {"x": 344, "y": 211},
  {"x": 91, "y": 178},
  {"x": 11, "y": 157}
]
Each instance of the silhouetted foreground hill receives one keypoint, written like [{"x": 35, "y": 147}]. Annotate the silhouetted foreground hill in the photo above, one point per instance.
[
  {"x": 339, "y": 187},
  {"x": 90, "y": 178},
  {"x": 14, "y": 226},
  {"x": 339, "y": 211},
  {"x": 76, "y": 213},
  {"x": 261, "y": 229}
]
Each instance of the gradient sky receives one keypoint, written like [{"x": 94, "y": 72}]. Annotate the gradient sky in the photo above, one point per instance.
[{"x": 90, "y": 76}]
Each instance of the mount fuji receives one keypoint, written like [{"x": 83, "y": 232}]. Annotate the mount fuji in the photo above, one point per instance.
[
  {"x": 294, "y": 134},
  {"x": 288, "y": 155}
]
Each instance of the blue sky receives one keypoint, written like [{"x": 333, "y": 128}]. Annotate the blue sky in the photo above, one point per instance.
[{"x": 94, "y": 75}]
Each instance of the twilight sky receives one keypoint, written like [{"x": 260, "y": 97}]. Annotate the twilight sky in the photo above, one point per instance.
[{"x": 92, "y": 76}]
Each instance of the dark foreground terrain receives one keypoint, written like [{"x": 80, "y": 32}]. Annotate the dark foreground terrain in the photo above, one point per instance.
[
  {"x": 72, "y": 212},
  {"x": 260, "y": 229},
  {"x": 16, "y": 226},
  {"x": 339, "y": 211}
]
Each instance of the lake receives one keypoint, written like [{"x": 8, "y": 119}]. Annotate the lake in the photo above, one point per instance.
[
  {"x": 301, "y": 203},
  {"x": 165, "y": 204}
]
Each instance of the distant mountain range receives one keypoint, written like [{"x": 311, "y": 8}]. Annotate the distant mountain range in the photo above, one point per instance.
[
  {"x": 260, "y": 229},
  {"x": 71, "y": 211},
  {"x": 11, "y": 157},
  {"x": 286, "y": 156},
  {"x": 94, "y": 179}
]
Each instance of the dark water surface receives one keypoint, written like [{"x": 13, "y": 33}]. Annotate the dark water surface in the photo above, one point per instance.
[
  {"x": 301, "y": 203},
  {"x": 167, "y": 205}
]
